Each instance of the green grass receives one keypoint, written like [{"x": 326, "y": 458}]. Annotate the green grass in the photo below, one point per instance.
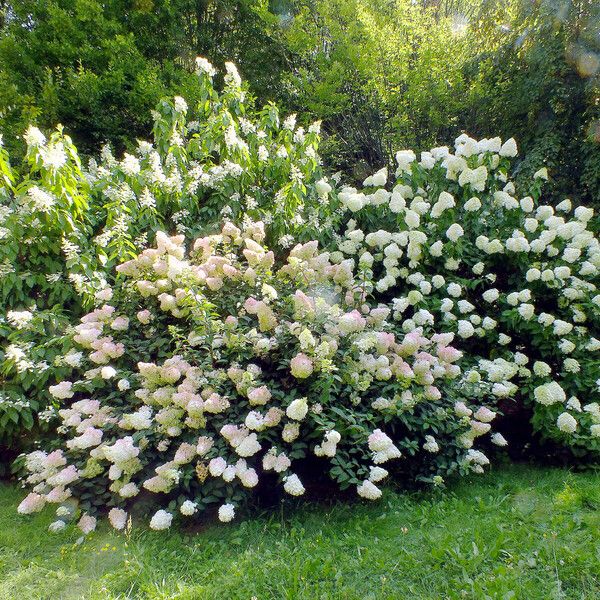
[{"x": 519, "y": 532}]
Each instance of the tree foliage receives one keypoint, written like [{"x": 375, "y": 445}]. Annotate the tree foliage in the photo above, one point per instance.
[
  {"x": 99, "y": 68},
  {"x": 386, "y": 74}
]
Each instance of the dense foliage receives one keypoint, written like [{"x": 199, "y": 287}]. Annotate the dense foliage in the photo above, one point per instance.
[
  {"x": 259, "y": 344},
  {"x": 99, "y": 68},
  {"x": 65, "y": 226},
  {"x": 380, "y": 74}
]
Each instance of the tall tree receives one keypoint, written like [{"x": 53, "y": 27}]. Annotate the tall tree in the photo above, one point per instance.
[{"x": 99, "y": 67}]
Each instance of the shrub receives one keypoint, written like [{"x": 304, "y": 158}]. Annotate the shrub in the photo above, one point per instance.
[
  {"x": 456, "y": 248},
  {"x": 200, "y": 374},
  {"x": 204, "y": 374},
  {"x": 34, "y": 356},
  {"x": 220, "y": 158},
  {"x": 64, "y": 227},
  {"x": 47, "y": 272}
]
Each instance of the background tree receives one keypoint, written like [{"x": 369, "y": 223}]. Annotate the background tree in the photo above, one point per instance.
[
  {"x": 416, "y": 74},
  {"x": 99, "y": 68}
]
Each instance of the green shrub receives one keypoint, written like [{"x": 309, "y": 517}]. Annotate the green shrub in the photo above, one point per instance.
[
  {"x": 457, "y": 248},
  {"x": 206, "y": 371}
]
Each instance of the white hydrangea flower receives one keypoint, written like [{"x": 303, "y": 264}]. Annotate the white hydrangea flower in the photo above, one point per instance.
[
  {"x": 549, "y": 393},
  {"x": 369, "y": 490},
  {"x": 293, "y": 486},
  {"x": 566, "y": 423},
  {"x": 188, "y": 508},
  {"x": 226, "y": 513}
]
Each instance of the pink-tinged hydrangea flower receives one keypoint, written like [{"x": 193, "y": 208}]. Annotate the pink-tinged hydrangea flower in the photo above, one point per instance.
[
  {"x": 254, "y": 421},
  {"x": 64, "y": 477},
  {"x": 104, "y": 295},
  {"x": 485, "y": 415},
  {"x": 229, "y": 473},
  {"x": 449, "y": 354},
  {"x": 89, "y": 438},
  {"x": 58, "y": 494},
  {"x": 185, "y": 453},
  {"x": 144, "y": 317},
  {"x": 55, "y": 459},
  {"x": 120, "y": 324},
  {"x": 432, "y": 392},
  {"x": 217, "y": 466},
  {"x": 86, "y": 407},
  {"x": 477, "y": 457},
  {"x": 382, "y": 447},
  {"x": 277, "y": 462},
  {"x": 87, "y": 524},
  {"x": 351, "y": 322},
  {"x": 31, "y": 504},
  {"x": 203, "y": 445},
  {"x": 117, "y": 518},
  {"x": 233, "y": 434},
  {"x": 479, "y": 428},
  {"x": 259, "y": 396},
  {"x": 304, "y": 307},
  {"x": 301, "y": 366},
  {"x": 216, "y": 404},
  {"x": 248, "y": 478},
  {"x": 273, "y": 416},
  {"x": 379, "y": 441}
]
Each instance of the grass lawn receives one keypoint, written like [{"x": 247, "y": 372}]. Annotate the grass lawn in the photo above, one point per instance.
[{"x": 519, "y": 532}]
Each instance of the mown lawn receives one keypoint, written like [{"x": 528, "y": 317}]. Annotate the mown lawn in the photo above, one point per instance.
[{"x": 519, "y": 532}]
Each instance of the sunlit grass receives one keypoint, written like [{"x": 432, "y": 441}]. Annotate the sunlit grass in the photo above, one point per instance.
[{"x": 520, "y": 532}]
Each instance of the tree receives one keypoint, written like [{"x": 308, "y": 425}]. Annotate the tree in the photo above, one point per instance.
[{"x": 100, "y": 67}]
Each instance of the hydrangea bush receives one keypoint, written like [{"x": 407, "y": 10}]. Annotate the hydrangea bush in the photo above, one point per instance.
[
  {"x": 219, "y": 158},
  {"x": 44, "y": 220},
  {"x": 204, "y": 373},
  {"x": 276, "y": 351},
  {"x": 63, "y": 227},
  {"x": 455, "y": 247}
]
